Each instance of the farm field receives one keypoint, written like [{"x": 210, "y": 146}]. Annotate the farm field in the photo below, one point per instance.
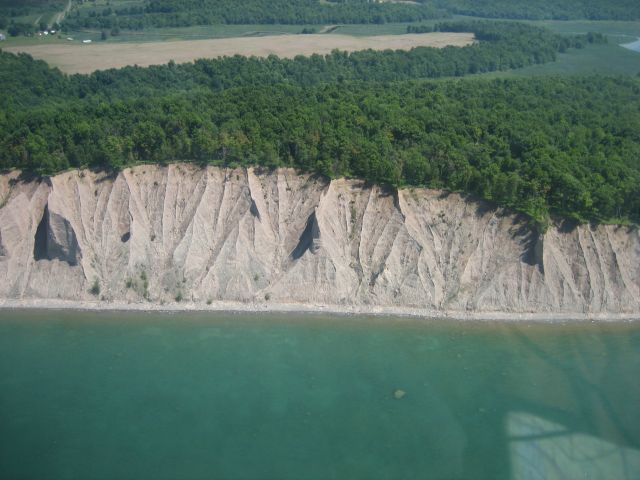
[
  {"x": 611, "y": 58},
  {"x": 596, "y": 59},
  {"x": 615, "y": 29},
  {"x": 75, "y": 58},
  {"x": 199, "y": 32}
]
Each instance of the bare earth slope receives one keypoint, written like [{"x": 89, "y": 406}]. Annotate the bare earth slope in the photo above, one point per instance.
[
  {"x": 78, "y": 58},
  {"x": 151, "y": 233}
]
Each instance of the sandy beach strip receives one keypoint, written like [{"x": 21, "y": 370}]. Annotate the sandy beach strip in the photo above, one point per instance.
[{"x": 303, "y": 308}]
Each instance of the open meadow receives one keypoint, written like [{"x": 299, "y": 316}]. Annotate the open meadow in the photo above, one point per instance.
[
  {"x": 86, "y": 58},
  {"x": 610, "y": 58}
]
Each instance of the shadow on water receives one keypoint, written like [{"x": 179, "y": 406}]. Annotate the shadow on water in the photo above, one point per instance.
[
  {"x": 275, "y": 396},
  {"x": 586, "y": 424}
]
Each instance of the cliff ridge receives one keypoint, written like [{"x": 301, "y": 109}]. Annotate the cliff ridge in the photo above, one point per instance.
[{"x": 160, "y": 233}]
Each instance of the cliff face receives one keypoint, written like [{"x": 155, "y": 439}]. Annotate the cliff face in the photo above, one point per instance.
[{"x": 153, "y": 233}]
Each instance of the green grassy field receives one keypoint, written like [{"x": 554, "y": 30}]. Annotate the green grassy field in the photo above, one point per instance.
[
  {"x": 596, "y": 59},
  {"x": 165, "y": 34},
  {"x": 614, "y": 29},
  {"x": 601, "y": 59},
  {"x": 206, "y": 31},
  {"x": 385, "y": 29},
  {"x": 45, "y": 16},
  {"x": 44, "y": 13},
  {"x": 227, "y": 31},
  {"x": 214, "y": 31},
  {"x": 35, "y": 40}
]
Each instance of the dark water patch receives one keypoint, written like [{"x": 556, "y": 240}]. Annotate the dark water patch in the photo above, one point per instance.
[{"x": 181, "y": 396}]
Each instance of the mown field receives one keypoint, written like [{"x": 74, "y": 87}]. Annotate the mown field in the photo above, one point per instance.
[
  {"x": 604, "y": 59},
  {"x": 75, "y": 58}
]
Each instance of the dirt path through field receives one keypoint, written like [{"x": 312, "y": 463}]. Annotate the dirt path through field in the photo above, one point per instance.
[
  {"x": 79, "y": 58},
  {"x": 60, "y": 15}
]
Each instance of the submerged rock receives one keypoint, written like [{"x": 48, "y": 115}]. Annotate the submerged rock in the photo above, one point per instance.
[{"x": 399, "y": 394}]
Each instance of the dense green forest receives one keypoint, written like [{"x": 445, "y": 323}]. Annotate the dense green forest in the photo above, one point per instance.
[
  {"x": 182, "y": 13},
  {"x": 569, "y": 146},
  {"x": 545, "y": 9},
  {"x": 501, "y": 46}
]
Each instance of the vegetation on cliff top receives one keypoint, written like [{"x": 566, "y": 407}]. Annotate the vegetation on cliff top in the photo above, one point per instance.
[{"x": 569, "y": 146}]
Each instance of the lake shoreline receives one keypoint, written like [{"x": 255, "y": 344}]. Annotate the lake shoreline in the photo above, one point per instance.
[{"x": 302, "y": 308}]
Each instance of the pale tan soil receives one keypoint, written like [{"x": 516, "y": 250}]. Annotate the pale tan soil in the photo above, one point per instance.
[
  {"x": 253, "y": 240},
  {"x": 86, "y": 58}
]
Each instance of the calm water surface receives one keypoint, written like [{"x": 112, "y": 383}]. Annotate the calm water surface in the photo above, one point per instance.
[{"x": 168, "y": 396}]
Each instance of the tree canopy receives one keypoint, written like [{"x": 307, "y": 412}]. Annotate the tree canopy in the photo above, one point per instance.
[
  {"x": 569, "y": 146},
  {"x": 183, "y": 13},
  {"x": 141, "y": 14},
  {"x": 500, "y": 46}
]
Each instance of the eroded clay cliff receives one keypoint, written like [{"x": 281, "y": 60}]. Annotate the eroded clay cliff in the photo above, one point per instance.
[{"x": 154, "y": 234}]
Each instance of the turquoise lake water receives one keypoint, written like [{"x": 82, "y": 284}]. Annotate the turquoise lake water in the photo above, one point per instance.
[{"x": 190, "y": 396}]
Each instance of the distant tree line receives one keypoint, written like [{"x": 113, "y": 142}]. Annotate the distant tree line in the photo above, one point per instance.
[
  {"x": 502, "y": 46},
  {"x": 184, "y": 13},
  {"x": 420, "y": 29}
]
